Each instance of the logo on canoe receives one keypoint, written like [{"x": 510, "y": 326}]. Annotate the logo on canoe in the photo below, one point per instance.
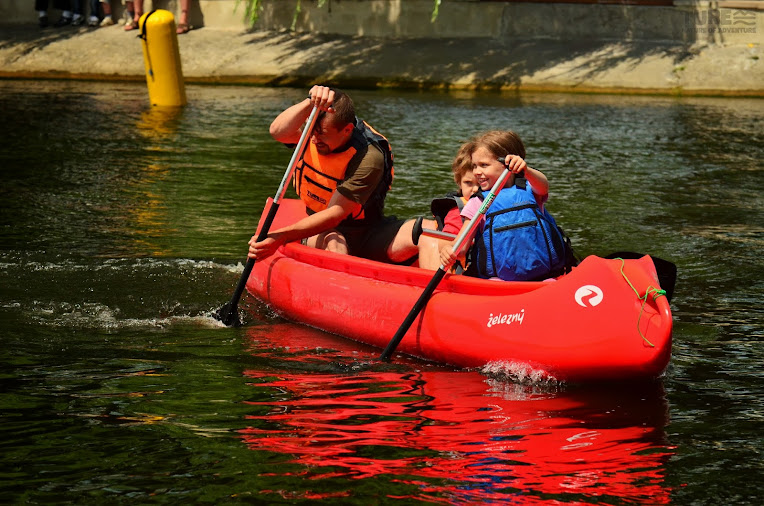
[
  {"x": 589, "y": 296},
  {"x": 506, "y": 319}
]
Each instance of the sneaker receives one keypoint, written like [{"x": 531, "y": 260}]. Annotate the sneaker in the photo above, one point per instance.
[
  {"x": 107, "y": 21},
  {"x": 43, "y": 21},
  {"x": 127, "y": 17},
  {"x": 92, "y": 21},
  {"x": 78, "y": 20},
  {"x": 62, "y": 21}
]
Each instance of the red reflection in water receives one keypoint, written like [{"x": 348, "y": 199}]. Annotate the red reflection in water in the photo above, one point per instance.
[{"x": 463, "y": 436}]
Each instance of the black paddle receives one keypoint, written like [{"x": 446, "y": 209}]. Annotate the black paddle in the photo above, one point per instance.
[
  {"x": 229, "y": 313},
  {"x": 461, "y": 239}
]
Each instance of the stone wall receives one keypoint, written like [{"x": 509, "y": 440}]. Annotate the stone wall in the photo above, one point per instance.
[{"x": 684, "y": 21}]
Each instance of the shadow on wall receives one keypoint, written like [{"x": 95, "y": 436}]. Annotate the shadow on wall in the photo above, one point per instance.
[
  {"x": 487, "y": 64},
  {"x": 519, "y": 40},
  {"x": 550, "y": 43}
]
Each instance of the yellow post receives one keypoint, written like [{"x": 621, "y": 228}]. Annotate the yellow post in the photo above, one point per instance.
[{"x": 161, "y": 56}]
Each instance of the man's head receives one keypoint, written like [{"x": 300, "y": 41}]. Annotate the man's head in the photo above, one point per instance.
[{"x": 335, "y": 127}]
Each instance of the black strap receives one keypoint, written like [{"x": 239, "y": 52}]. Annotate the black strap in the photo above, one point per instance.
[{"x": 143, "y": 35}]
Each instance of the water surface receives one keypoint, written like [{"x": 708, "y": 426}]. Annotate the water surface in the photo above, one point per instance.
[{"x": 122, "y": 226}]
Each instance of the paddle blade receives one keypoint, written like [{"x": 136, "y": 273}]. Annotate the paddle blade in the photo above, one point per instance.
[
  {"x": 228, "y": 315},
  {"x": 666, "y": 275}
]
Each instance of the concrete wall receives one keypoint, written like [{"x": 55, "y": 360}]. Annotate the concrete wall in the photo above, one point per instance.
[{"x": 686, "y": 21}]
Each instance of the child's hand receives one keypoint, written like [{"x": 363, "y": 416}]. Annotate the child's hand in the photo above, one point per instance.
[
  {"x": 515, "y": 164},
  {"x": 447, "y": 255}
]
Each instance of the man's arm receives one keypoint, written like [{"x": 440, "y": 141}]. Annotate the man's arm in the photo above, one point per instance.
[
  {"x": 338, "y": 209},
  {"x": 287, "y": 125}
]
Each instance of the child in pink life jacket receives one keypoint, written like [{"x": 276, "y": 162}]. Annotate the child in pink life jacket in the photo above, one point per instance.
[{"x": 447, "y": 209}]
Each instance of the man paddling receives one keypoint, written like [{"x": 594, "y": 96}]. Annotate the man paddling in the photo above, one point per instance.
[{"x": 343, "y": 178}]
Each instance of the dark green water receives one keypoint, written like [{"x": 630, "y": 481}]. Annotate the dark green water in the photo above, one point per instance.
[{"x": 122, "y": 227}]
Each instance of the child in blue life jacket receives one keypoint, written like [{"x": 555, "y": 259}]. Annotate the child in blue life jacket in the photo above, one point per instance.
[
  {"x": 447, "y": 210},
  {"x": 518, "y": 239}
]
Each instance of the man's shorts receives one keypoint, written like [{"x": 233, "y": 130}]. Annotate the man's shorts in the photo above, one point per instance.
[{"x": 371, "y": 241}]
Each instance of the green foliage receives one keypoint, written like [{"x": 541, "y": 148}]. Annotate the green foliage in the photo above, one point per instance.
[
  {"x": 252, "y": 10},
  {"x": 435, "y": 10}
]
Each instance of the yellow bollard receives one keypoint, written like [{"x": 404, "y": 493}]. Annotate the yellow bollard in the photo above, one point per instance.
[{"x": 161, "y": 56}]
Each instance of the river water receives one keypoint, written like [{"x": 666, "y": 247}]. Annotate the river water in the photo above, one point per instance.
[{"x": 122, "y": 227}]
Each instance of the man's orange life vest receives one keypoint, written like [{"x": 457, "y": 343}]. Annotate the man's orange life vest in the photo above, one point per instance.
[{"x": 317, "y": 176}]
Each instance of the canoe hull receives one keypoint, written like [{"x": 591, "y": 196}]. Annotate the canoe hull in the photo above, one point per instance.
[{"x": 587, "y": 325}]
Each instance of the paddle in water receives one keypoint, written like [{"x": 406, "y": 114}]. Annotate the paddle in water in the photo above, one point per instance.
[
  {"x": 229, "y": 313},
  {"x": 464, "y": 236}
]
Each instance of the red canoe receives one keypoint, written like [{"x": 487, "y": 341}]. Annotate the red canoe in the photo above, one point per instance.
[{"x": 596, "y": 323}]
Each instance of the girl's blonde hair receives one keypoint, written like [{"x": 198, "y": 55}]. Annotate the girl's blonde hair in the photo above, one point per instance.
[{"x": 500, "y": 142}]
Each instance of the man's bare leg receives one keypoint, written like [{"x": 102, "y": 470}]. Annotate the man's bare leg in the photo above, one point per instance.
[{"x": 329, "y": 241}]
